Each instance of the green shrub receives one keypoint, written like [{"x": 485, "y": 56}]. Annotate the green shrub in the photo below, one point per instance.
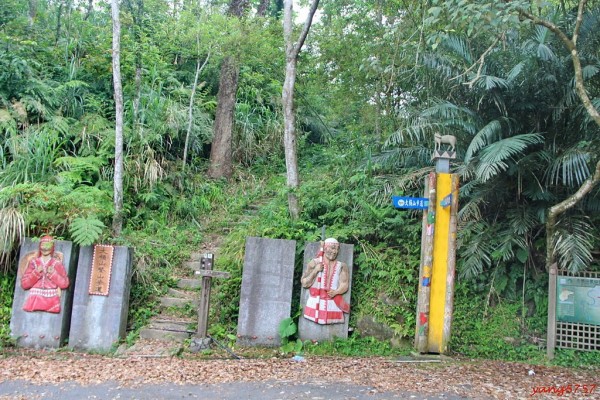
[
  {"x": 7, "y": 286},
  {"x": 494, "y": 332},
  {"x": 354, "y": 346},
  {"x": 574, "y": 358}
]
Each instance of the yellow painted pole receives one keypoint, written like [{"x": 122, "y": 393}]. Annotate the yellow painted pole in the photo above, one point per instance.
[
  {"x": 437, "y": 300},
  {"x": 450, "y": 271}
]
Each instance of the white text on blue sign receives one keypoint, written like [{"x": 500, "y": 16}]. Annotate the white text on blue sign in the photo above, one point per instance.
[{"x": 419, "y": 203}]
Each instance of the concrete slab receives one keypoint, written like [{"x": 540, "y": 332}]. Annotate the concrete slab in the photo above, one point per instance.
[
  {"x": 100, "y": 321},
  {"x": 266, "y": 295}
]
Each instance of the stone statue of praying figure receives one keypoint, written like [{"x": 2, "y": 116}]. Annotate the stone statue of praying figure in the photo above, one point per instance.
[{"x": 44, "y": 277}]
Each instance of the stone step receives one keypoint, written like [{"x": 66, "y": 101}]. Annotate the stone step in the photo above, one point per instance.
[
  {"x": 165, "y": 335},
  {"x": 193, "y": 265},
  {"x": 252, "y": 209},
  {"x": 189, "y": 283},
  {"x": 177, "y": 302},
  {"x": 173, "y": 326},
  {"x": 183, "y": 294}
]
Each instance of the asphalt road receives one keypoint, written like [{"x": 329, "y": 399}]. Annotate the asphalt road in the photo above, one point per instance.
[{"x": 23, "y": 390}]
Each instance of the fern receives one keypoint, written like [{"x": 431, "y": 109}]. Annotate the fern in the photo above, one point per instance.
[{"x": 85, "y": 231}]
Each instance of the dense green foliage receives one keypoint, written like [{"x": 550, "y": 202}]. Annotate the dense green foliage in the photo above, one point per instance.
[
  {"x": 376, "y": 81},
  {"x": 7, "y": 284}
]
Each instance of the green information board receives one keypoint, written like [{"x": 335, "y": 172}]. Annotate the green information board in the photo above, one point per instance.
[{"x": 578, "y": 300}]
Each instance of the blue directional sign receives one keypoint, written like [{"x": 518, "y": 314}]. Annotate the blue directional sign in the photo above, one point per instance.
[
  {"x": 419, "y": 203},
  {"x": 446, "y": 201}
]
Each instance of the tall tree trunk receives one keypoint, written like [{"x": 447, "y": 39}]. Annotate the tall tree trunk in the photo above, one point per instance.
[
  {"x": 263, "y": 7},
  {"x": 221, "y": 163},
  {"x": 58, "y": 21},
  {"x": 117, "y": 224},
  {"x": 137, "y": 12},
  {"x": 32, "y": 12},
  {"x": 90, "y": 8},
  {"x": 289, "y": 138},
  {"x": 287, "y": 97}
]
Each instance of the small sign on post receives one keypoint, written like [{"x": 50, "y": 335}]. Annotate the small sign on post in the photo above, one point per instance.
[
  {"x": 446, "y": 201},
  {"x": 419, "y": 203},
  {"x": 206, "y": 265}
]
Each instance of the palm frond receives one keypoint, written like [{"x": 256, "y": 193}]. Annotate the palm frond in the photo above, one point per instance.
[
  {"x": 591, "y": 202},
  {"x": 459, "y": 47},
  {"x": 490, "y": 133},
  {"x": 489, "y": 82},
  {"x": 522, "y": 220},
  {"x": 408, "y": 181},
  {"x": 573, "y": 243},
  {"x": 507, "y": 245},
  {"x": 589, "y": 71},
  {"x": 571, "y": 168},
  {"x": 515, "y": 71},
  {"x": 538, "y": 44},
  {"x": 419, "y": 131},
  {"x": 447, "y": 111},
  {"x": 494, "y": 158},
  {"x": 470, "y": 212},
  {"x": 475, "y": 248},
  {"x": 403, "y": 157}
]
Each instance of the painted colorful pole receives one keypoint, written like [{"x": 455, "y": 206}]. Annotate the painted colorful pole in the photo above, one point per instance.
[
  {"x": 422, "y": 326},
  {"x": 438, "y": 255}
]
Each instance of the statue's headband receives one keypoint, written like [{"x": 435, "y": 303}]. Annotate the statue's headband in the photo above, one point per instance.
[
  {"x": 331, "y": 241},
  {"x": 45, "y": 239}
]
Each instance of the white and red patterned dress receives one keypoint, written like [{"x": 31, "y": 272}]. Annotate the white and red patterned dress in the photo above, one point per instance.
[{"x": 321, "y": 308}]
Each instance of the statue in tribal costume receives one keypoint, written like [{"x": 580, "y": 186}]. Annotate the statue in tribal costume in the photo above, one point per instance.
[
  {"x": 327, "y": 280},
  {"x": 44, "y": 277}
]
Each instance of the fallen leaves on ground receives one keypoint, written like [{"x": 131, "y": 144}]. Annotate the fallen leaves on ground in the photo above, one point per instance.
[{"x": 469, "y": 378}]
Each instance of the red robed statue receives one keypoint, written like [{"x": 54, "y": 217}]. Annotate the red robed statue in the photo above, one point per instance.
[{"x": 44, "y": 278}]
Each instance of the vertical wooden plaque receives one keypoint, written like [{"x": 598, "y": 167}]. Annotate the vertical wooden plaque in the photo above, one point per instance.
[{"x": 101, "y": 270}]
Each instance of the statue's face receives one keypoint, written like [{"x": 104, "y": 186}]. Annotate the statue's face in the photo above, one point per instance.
[
  {"x": 46, "y": 248},
  {"x": 331, "y": 251}
]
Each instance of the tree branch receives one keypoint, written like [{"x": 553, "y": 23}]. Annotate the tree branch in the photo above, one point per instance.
[
  {"x": 309, "y": 18},
  {"x": 571, "y": 45},
  {"x": 480, "y": 61}
]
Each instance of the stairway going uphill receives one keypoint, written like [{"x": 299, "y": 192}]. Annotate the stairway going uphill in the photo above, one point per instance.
[{"x": 178, "y": 317}]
